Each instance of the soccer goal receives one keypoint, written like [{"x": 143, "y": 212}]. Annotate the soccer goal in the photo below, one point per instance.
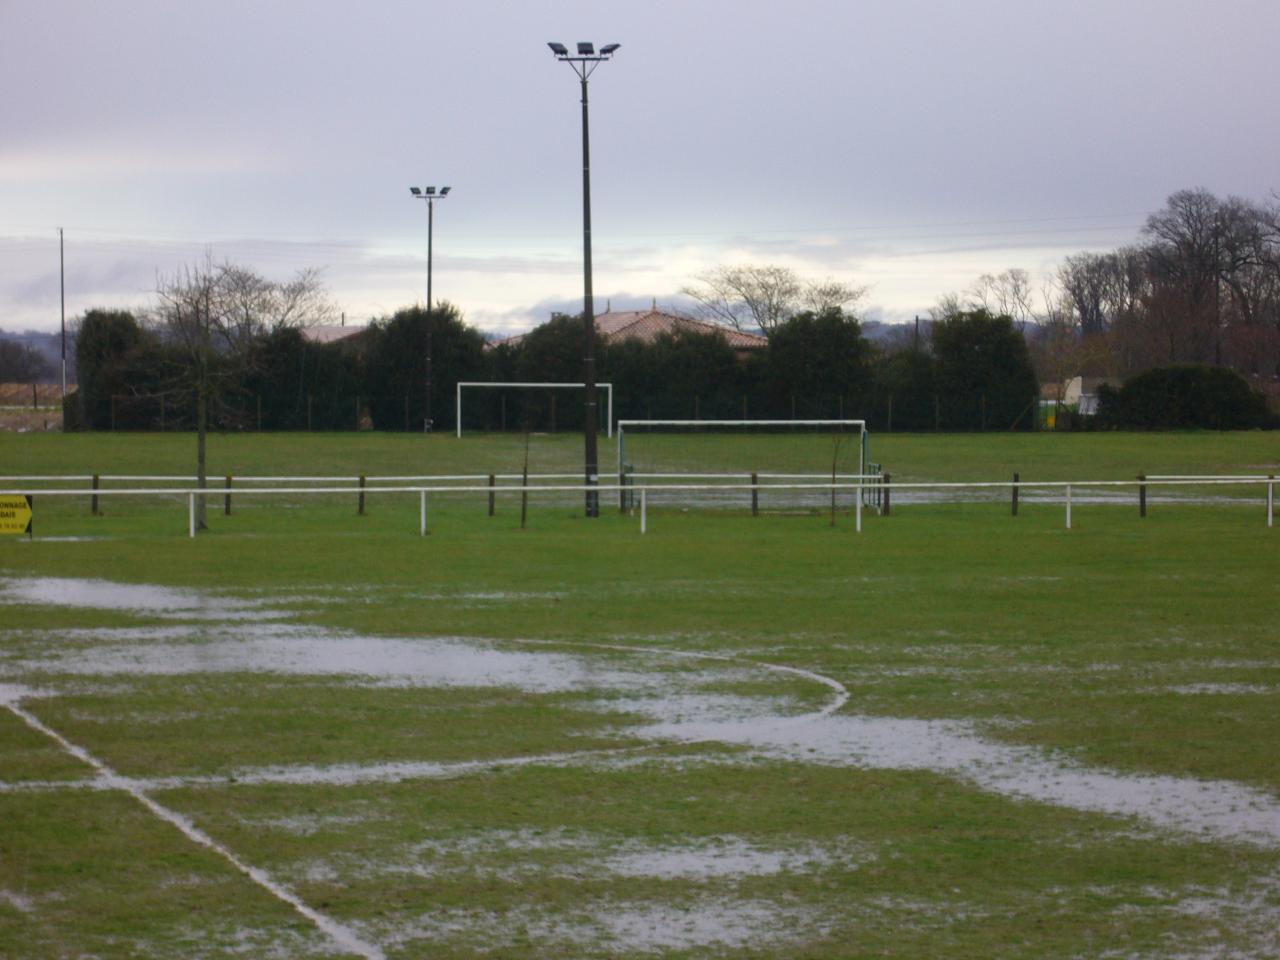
[
  {"x": 783, "y": 453},
  {"x": 475, "y": 385}
]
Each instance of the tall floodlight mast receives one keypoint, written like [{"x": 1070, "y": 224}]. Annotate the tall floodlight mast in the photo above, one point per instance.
[
  {"x": 584, "y": 64},
  {"x": 429, "y": 194}
]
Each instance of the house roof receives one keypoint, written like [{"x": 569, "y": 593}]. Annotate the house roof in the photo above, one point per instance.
[
  {"x": 647, "y": 325},
  {"x": 330, "y": 333}
]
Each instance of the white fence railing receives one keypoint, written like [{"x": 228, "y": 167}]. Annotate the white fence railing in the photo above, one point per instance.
[{"x": 856, "y": 487}]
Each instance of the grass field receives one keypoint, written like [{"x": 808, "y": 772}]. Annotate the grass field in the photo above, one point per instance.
[{"x": 959, "y": 733}]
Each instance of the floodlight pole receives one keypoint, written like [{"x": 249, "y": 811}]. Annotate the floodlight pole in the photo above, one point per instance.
[
  {"x": 584, "y": 64},
  {"x": 62, "y": 290},
  {"x": 429, "y": 195}
]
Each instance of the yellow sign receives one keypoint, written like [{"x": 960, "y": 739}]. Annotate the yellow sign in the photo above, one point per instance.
[{"x": 15, "y": 514}]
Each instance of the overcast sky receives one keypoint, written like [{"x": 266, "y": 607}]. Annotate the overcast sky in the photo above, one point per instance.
[{"x": 906, "y": 145}]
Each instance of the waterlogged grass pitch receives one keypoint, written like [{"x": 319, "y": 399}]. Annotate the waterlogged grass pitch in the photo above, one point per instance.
[{"x": 308, "y": 733}]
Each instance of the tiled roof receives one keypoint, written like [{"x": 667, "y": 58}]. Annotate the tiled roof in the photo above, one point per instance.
[
  {"x": 330, "y": 334},
  {"x": 647, "y": 325}
]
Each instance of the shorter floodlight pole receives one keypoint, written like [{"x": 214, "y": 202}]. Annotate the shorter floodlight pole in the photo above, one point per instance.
[
  {"x": 429, "y": 194},
  {"x": 62, "y": 288}
]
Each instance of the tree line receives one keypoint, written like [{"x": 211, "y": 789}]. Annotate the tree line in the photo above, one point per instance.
[
  {"x": 1201, "y": 286},
  {"x": 248, "y": 368}
]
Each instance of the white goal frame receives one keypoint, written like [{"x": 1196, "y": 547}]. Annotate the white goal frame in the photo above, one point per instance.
[
  {"x": 731, "y": 424},
  {"x": 607, "y": 387}
]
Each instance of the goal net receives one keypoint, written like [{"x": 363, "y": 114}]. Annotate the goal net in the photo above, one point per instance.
[{"x": 800, "y": 458}]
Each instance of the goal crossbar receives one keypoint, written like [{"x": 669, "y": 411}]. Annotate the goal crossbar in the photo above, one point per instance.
[{"x": 607, "y": 387}]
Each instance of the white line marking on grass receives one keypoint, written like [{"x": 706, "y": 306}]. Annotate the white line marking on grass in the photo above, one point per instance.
[{"x": 340, "y": 934}]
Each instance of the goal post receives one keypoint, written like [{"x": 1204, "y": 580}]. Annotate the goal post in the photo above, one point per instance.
[
  {"x": 494, "y": 385},
  {"x": 794, "y": 447}
]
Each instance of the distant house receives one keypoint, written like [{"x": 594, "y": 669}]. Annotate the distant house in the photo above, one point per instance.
[
  {"x": 647, "y": 325},
  {"x": 1078, "y": 393},
  {"x": 352, "y": 337},
  {"x": 1082, "y": 393}
]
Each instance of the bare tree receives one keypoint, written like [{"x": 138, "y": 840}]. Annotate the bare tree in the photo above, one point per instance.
[
  {"x": 22, "y": 363},
  {"x": 747, "y": 296},
  {"x": 763, "y": 297},
  {"x": 830, "y": 294},
  {"x": 210, "y": 316},
  {"x": 1008, "y": 294},
  {"x": 1084, "y": 278}
]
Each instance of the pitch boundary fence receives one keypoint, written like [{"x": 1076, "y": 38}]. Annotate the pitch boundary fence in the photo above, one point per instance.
[{"x": 856, "y": 488}]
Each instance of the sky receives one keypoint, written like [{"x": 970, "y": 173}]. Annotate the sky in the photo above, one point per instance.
[{"x": 905, "y": 145}]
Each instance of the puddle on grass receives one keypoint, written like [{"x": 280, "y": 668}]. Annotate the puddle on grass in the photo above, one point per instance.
[
  {"x": 653, "y": 686},
  {"x": 723, "y": 858},
  {"x": 611, "y": 926},
  {"x": 18, "y": 901},
  {"x": 1222, "y": 689},
  {"x": 132, "y": 597},
  {"x": 506, "y": 855},
  {"x": 1207, "y": 808},
  {"x": 668, "y": 689}
]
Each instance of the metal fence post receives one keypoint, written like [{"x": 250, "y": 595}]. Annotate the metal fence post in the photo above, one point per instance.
[
  {"x": 1015, "y": 493},
  {"x": 1068, "y": 506},
  {"x": 361, "y": 497},
  {"x": 755, "y": 494},
  {"x": 887, "y": 504},
  {"x": 422, "y": 515},
  {"x": 644, "y": 510},
  {"x": 493, "y": 481},
  {"x": 93, "y": 503},
  {"x": 226, "y": 503},
  {"x": 1142, "y": 495}
]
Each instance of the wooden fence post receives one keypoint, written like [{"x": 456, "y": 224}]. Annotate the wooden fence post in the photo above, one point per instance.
[{"x": 1015, "y": 493}]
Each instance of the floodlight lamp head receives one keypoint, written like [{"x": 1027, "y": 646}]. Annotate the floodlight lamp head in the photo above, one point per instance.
[
  {"x": 608, "y": 48},
  {"x": 586, "y": 49},
  {"x": 415, "y": 191},
  {"x": 430, "y": 191},
  {"x": 444, "y": 191},
  {"x": 559, "y": 49}
]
